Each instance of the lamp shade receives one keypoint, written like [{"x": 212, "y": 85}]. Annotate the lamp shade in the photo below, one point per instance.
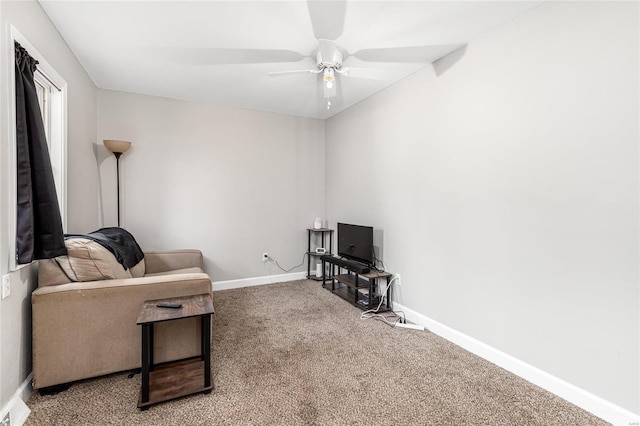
[{"x": 117, "y": 146}]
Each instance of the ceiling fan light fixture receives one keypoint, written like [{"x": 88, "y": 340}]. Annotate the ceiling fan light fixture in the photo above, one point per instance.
[
  {"x": 329, "y": 75},
  {"x": 330, "y": 89}
]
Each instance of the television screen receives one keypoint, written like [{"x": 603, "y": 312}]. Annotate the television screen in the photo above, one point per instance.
[{"x": 356, "y": 242}]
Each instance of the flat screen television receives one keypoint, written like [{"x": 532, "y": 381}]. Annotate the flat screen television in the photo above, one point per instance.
[{"x": 355, "y": 242}]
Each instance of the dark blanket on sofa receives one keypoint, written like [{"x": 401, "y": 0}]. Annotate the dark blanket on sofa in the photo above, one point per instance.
[{"x": 118, "y": 241}]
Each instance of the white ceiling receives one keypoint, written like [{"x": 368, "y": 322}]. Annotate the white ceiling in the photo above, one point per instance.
[{"x": 168, "y": 48}]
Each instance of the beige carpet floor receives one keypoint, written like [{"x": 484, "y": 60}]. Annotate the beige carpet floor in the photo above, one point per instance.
[{"x": 295, "y": 354}]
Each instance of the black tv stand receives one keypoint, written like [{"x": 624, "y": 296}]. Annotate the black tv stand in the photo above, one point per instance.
[
  {"x": 312, "y": 253},
  {"x": 358, "y": 286}
]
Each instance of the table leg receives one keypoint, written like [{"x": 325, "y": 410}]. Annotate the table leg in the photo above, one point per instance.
[
  {"x": 324, "y": 273},
  {"x": 333, "y": 274},
  {"x": 308, "y": 253},
  {"x": 206, "y": 348},
  {"x": 146, "y": 358},
  {"x": 372, "y": 286},
  {"x": 152, "y": 332}
]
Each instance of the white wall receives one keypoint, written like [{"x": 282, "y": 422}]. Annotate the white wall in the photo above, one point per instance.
[
  {"x": 505, "y": 186},
  {"x": 15, "y": 311},
  {"x": 233, "y": 183}
]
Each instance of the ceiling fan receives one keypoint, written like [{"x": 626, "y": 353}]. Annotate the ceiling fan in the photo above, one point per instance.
[
  {"x": 329, "y": 63},
  {"x": 329, "y": 60},
  {"x": 327, "y": 20}
]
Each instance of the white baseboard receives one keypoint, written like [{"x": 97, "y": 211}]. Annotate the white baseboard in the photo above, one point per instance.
[
  {"x": 249, "y": 282},
  {"x": 16, "y": 406},
  {"x": 577, "y": 396}
]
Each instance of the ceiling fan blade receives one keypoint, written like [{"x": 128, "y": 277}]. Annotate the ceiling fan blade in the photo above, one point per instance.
[
  {"x": 221, "y": 56},
  {"x": 327, "y": 18},
  {"x": 418, "y": 54},
  {"x": 368, "y": 73},
  {"x": 281, "y": 73}
]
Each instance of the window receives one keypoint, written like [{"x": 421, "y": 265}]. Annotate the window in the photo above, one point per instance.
[
  {"x": 50, "y": 99},
  {"x": 42, "y": 90},
  {"x": 51, "y": 89}
]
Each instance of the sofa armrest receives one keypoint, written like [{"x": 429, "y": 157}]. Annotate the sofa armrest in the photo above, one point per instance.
[{"x": 168, "y": 260}]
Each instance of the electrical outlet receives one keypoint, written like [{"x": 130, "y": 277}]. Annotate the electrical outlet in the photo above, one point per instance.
[
  {"x": 265, "y": 257},
  {"x": 398, "y": 279},
  {"x": 6, "y": 286}
]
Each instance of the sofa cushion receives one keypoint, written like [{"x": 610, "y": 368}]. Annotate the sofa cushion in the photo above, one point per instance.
[
  {"x": 50, "y": 273},
  {"x": 138, "y": 270},
  {"x": 86, "y": 260},
  {"x": 194, "y": 270}
]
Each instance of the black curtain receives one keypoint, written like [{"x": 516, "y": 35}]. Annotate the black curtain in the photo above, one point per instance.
[{"x": 39, "y": 232}]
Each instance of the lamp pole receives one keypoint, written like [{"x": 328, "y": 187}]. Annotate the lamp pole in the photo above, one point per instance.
[
  {"x": 117, "y": 148},
  {"x": 118, "y": 154}
]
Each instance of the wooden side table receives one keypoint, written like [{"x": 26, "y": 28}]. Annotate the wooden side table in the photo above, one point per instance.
[{"x": 179, "y": 378}]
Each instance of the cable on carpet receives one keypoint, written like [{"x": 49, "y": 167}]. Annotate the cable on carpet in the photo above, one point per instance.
[{"x": 391, "y": 318}]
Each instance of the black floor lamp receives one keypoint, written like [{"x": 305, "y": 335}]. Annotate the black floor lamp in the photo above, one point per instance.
[{"x": 118, "y": 148}]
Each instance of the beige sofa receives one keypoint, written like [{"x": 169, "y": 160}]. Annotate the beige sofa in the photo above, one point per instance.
[{"x": 86, "y": 329}]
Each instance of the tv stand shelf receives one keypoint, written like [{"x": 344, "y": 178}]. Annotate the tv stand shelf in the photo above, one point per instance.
[
  {"x": 312, "y": 253},
  {"x": 349, "y": 281},
  {"x": 350, "y": 286}
]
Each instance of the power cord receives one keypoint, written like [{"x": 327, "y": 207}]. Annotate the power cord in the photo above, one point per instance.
[
  {"x": 376, "y": 260},
  {"x": 390, "y": 319},
  {"x": 371, "y": 313},
  {"x": 275, "y": 262}
]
